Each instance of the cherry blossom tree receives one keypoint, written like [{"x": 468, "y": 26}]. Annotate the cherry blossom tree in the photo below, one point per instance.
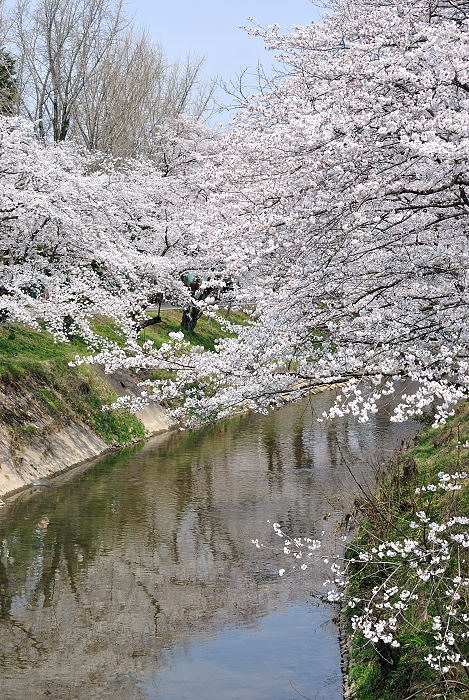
[
  {"x": 338, "y": 201},
  {"x": 81, "y": 234},
  {"x": 341, "y": 200}
]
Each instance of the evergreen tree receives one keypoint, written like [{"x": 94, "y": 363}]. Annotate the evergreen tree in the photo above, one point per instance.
[{"x": 7, "y": 83}]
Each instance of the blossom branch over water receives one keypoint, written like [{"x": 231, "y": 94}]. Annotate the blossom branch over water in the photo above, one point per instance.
[{"x": 424, "y": 570}]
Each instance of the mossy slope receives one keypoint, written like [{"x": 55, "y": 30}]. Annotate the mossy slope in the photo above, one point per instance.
[{"x": 66, "y": 392}]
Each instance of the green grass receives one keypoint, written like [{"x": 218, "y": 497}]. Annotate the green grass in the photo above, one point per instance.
[
  {"x": 206, "y": 332},
  {"x": 65, "y": 391},
  {"x": 436, "y": 450},
  {"x": 24, "y": 351}
]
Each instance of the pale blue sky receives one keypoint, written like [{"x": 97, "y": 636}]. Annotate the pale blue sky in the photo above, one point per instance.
[{"x": 210, "y": 28}]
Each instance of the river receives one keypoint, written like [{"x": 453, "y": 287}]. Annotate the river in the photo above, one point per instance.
[{"x": 137, "y": 579}]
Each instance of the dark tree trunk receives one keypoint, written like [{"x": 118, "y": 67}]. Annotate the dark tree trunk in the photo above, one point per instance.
[
  {"x": 67, "y": 327},
  {"x": 149, "y": 322},
  {"x": 190, "y": 317},
  {"x": 4, "y": 314},
  {"x": 388, "y": 657},
  {"x": 152, "y": 320}
]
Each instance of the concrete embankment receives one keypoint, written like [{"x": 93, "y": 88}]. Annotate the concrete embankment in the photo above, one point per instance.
[{"x": 41, "y": 434}]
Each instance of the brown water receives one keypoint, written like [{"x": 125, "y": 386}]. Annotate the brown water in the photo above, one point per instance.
[{"x": 138, "y": 579}]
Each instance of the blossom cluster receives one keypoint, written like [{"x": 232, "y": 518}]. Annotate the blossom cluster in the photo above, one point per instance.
[{"x": 446, "y": 482}]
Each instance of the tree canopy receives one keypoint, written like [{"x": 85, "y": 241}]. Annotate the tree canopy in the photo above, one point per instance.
[{"x": 339, "y": 202}]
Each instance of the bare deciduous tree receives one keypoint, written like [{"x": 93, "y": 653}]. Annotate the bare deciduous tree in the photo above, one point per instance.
[
  {"x": 84, "y": 72},
  {"x": 133, "y": 93},
  {"x": 8, "y": 92},
  {"x": 60, "y": 44}
]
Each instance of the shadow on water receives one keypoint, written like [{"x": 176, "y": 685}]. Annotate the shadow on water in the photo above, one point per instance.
[{"x": 138, "y": 578}]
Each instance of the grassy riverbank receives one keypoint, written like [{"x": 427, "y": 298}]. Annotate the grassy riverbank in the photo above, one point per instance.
[
  {"x": 395, "y": 674},
  {"x": 63, "y": 391}
]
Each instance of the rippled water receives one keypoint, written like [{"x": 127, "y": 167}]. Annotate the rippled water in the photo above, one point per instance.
[{"x": 137, "y": 578}]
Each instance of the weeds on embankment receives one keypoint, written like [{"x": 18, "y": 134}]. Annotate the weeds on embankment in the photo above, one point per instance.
[{"x": 407, "y": 574}]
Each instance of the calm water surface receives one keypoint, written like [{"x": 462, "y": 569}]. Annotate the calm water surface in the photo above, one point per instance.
[{"x": 137, "y": 579}]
